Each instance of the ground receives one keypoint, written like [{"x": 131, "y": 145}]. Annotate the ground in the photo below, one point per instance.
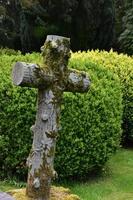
[
  {"x": 57, "y": 193},
  {"x": 116, "y": 183}
]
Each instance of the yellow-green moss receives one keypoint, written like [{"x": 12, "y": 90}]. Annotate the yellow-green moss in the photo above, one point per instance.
[{"x": 57, "y": 193}]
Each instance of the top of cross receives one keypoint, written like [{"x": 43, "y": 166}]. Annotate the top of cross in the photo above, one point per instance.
[{"x": 54, "y": 71}]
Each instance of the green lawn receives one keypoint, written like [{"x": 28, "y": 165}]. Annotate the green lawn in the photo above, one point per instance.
[{"x": 117, "y": 184}]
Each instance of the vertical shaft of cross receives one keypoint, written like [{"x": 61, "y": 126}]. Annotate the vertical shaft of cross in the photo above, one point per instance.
[
  {"x": 52, "y": 78},
  {"x": 40, "y": 161}
]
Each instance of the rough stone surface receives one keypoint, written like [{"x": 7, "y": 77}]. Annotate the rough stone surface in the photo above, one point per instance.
[
  {"x": 5, "y": 196},
  {"x": 52, "y": 78}
]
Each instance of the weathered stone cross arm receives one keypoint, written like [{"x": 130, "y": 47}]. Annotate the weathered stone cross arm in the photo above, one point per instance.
[{"x": 32, "y": 75}]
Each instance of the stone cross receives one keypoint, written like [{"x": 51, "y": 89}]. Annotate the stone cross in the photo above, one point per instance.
[{"x": 52, "y": 78}]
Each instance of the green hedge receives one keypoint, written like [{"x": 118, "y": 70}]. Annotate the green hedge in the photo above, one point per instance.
[
  {"x": 122, "y": 66},
  {"x": 91, "y": 123}
]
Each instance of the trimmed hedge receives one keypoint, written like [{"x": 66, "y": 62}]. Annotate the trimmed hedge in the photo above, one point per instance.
[
  {"x": 91, "y": 123},
  {"x": 122, "y": 66}
]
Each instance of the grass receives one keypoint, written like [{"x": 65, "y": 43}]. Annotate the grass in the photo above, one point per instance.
[
  {"x": 7, "y": 185},
  {"x": 115, "y": 184}
]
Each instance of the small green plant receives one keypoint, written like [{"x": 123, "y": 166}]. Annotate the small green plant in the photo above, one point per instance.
[
  {"x": 7, "y": 51},
  {"x": 14, "y": 182}
]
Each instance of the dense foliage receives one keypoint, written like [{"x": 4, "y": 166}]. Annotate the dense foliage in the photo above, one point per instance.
[
  {"x": 122, "y": 66},
  {"x": 97, "y": 24},
  {"x": 9, "y": 24},
  {"x": 91, "y": 123},
  {"x": 126, "y": 37},
  {"x": 24, "y": 24},
  {"x": 124, "y": 26}
]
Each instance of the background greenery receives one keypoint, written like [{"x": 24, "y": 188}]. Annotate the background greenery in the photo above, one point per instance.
[
  {"x": 97, "y": 24},
  {"x": 91, "y": 123}
]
